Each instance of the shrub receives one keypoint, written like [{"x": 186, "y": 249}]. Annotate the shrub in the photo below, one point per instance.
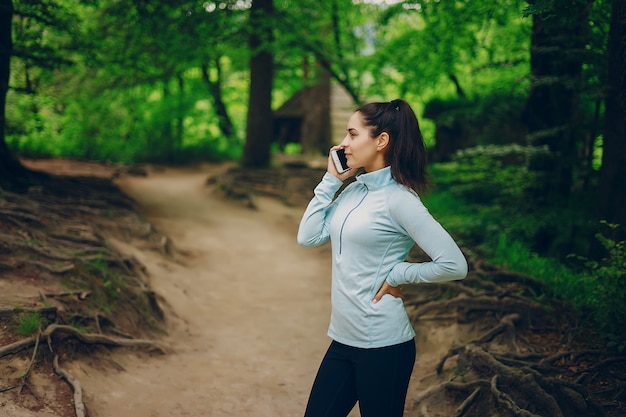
[{"x": 607, "y": 295}]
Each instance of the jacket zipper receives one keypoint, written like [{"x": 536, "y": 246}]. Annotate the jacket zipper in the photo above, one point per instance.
[{"x": 346, "y": 219}]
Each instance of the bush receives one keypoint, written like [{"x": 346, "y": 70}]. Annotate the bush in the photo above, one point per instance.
[
  {"x": 606, "y": 297},
  {"x": 486, "y": 207}
]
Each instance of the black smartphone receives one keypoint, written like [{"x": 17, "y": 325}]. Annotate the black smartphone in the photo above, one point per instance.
[{"x": 340, "y": 160}]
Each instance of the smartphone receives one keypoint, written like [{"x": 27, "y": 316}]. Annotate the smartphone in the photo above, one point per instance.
[{"x": 340, "y": 160}]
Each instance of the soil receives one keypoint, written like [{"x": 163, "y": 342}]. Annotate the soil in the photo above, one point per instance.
[{"x": 240, "y": 313}]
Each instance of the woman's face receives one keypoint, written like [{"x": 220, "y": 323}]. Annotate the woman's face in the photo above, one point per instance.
[{"x": 361, "y": 148}]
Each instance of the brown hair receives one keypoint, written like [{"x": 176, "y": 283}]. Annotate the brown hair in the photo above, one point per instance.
[{"x": 406, "y": 152}]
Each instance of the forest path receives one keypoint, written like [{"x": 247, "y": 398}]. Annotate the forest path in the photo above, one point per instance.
[{"x": 249, "y": 309}]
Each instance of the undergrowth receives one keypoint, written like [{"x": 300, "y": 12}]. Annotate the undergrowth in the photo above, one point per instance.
[
  {"x": 27, "y": 323},
  {"x": 482, "y": 201}
]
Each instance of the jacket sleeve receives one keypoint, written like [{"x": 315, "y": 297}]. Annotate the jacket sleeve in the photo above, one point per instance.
[
  {"x": 447, "y": 261},
  {"x": 314, "y": 227}
]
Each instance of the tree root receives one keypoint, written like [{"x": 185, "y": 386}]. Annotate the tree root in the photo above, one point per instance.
[
  {"x": 56, "y": 236},
  {"x": 79, "y": 406},
  {"x": 87, "y": 338},
  {"x": 520, "y": 382},
  {"x": 30, "y": 364},
  {"x": 513, "y": 391}
]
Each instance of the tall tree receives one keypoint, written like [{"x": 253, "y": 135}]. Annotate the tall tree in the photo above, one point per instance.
[
  {"x": 215, "y": 91},
  {"x": 12, "y": 173},
  {"x": 39, "y": 36},
  {"x": 552, "y": 113},
  {"x": 6, "y": 48},
  {"x": 260, "y": 126},
  {"x": 612, "y": 201}
]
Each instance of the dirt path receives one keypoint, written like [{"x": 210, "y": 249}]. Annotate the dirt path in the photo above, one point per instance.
[{"x": 251, "y": 310}]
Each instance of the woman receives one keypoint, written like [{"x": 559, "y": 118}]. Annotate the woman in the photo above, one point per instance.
[{"x": 372, "y": 225}]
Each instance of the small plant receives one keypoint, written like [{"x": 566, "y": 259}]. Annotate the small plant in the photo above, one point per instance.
[
  {"x": 608, "y": 293},
  {"x": 28, "y": 324}
]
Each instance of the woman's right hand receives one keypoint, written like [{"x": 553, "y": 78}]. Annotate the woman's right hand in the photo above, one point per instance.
[{"x": 332, "y": 169}]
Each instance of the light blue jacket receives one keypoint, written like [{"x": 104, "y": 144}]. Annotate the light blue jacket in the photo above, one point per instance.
[{"x": 372, "y": 225}]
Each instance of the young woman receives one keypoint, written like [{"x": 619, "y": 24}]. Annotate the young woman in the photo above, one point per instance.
[{"x": 372, "y": 225}]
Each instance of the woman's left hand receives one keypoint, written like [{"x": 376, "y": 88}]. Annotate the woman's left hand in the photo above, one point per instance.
[{"x": 388, "y": 289}]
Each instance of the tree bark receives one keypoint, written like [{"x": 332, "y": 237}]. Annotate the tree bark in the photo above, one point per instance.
[
  {"x": 215, "y": 90},
  {"x": 7, "y": 162},
  {"x": 260, "y": 123},
  {"x": 612, "y": 201},
  {"x": 552, "y": 109},
  {"x": 13, "y": 175}
]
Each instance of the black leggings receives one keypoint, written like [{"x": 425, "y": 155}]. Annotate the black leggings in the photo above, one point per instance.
[{"x": 377, "y": 378}]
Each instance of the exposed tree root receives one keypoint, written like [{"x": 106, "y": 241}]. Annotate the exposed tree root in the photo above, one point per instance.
[
  {"x": 87, "y": 338},
  {"x": 516, "y": 383},
  {"x": 79, "y": 406},
  {"x": 505, "y": 373},
  {"x": 56, "y": 237}
]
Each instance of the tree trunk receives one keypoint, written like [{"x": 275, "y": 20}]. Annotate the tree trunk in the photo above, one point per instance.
[
  {"x": 6, "y": 48},
  {"x": 165, "y": 143},
  {"x": 12, "y": 173},
  {"x": 215, "y": 90},
  {"x": 180, "y": 114},
  {"x": 552, "y": 110},
  {"x": 260, "y": 123},
  {"x": 612, "y": 201}
]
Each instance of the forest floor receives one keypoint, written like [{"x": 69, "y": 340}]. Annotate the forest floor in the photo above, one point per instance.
[{"x": 166, "y": 292}]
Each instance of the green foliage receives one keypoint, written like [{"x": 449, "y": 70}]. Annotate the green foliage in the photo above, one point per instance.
[
  {"x": 597, "y": 290},
  {"x": 605, "y": 295},
  {"x": 108, "y": 280},
  {"x": 485, "y": 205},
  {"x": 562, "y": 281},
  {"x": 112, "y": 291},
  {"x": 28, "y": 323},
  {"x": 484, "y": 44},
  {"x": 486, "y": 175},
  {"x": 134, "y": 93},
  {"x": 497, "y": 187}
]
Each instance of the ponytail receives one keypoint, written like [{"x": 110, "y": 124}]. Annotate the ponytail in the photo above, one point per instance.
[{"x": 406, "y": 152}]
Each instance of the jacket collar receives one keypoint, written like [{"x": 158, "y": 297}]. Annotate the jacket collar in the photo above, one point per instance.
[{"x": 376, "y": 179}]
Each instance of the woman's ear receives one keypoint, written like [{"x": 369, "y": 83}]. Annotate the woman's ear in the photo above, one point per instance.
[{"x": 382, "y": 141}]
